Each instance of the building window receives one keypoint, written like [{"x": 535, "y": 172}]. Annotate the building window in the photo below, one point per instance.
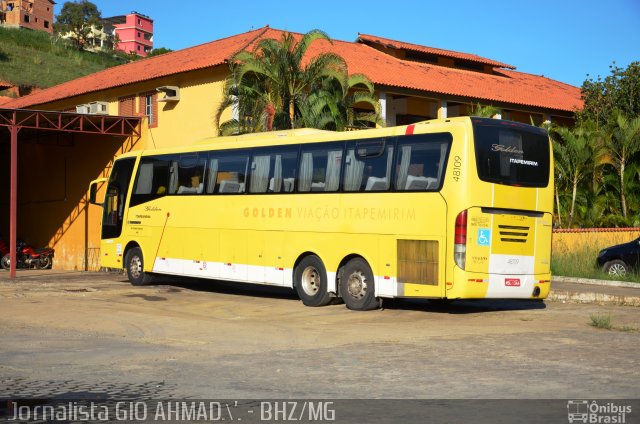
[
  {"x": 46, "y": 24},
  {"x": 27, "y": 18},
  {"x": 149, "y": 107},
  {"x": 139, "y": 48}
]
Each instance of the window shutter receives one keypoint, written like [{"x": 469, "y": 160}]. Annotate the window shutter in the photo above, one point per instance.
[{"x": 126, "y": 106}]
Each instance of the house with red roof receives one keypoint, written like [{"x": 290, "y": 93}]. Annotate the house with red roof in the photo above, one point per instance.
[
  {"x": 412, "y": 82},
  {"x": 177, "y": 95}
]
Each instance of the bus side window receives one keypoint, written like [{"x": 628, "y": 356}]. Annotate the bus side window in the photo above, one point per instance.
[
  {"x": 191, "y": 169},
  {"x": 420, "y": 162},
  {"x": 273, "y": 170},
  {"x": 151, "y": 180},
  {"x": 320, "y": 167},
  {"x": 227, "y": 171},
  {"x": 368, "y": 171}
]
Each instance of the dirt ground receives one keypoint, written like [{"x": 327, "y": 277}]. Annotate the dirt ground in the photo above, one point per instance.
[{"x": 78, "y": 333}]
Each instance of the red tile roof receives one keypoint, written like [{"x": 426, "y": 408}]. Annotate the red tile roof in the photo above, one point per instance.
[
  {"x": 5, "y": 99},
  {"x": 506, "y": 86},
  {"x": 4, "y": 85},
  {"x": 367, "y": 39}
]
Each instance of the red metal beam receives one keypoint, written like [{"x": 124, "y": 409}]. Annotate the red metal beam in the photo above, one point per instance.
[
  {"x": 13, "y": 202},
  {"x": 71, "y": 122}
]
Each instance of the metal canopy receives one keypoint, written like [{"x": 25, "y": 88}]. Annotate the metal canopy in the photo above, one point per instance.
[{"x": 64, "y": 122}]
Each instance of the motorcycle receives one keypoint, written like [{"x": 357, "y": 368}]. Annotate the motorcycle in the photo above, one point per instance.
[
  {"x": 27, "y": 256},
  {"x": 4, "y": 247}
]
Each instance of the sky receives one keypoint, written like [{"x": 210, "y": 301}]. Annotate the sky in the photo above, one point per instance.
[{"x": 566, "y": 40}]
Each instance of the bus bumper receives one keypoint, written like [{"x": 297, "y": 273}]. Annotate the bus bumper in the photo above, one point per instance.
[{"x": 471, "y": 285}]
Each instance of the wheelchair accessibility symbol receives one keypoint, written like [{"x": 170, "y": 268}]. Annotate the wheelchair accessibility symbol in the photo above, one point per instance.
[{"x": 484, "y": 236}]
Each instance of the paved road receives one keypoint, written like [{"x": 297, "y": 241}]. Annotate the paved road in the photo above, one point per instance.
[{"x": 87, "y": 333}]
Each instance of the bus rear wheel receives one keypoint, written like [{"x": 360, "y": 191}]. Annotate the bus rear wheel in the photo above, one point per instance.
[
  {"x": 134, "y": 263},
  {"x": 310, "y": 278},
  {"x": 357, "y": 286}
]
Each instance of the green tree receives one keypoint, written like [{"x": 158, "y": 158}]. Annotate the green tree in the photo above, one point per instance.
[
  {"x": 483, "y": 111},
  {"x": 619, "y": 91},
  {"x": 77, "y": 19},
  {"x": 621, "y": 145},
  {"x": 159, "y": 51},
  {"x": 276, "y": 78},
  {"x": 255, "y": 112},
  {"x": 336, "y": 108},
  {"x": 574, "y": 158}
]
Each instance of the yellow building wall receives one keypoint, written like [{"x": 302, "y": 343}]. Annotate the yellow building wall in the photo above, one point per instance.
[
  {"x": 184, "y": 122},
  {"x": 55, "y": 172}
]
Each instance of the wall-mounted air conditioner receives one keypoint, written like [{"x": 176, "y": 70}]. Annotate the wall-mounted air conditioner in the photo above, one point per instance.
[
  {"x": 98, "y": 108},
  {"x": 171, "y": 93},
  {"x": 82, "y": 109}
]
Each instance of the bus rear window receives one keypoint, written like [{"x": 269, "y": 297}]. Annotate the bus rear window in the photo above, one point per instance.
[{"x": 510, "y": 153}]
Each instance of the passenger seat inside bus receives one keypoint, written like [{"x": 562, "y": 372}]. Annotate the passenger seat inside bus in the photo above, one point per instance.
[
  {"x": 376, "y": 184},
  {"x": 420, "y": 183},
  {"x": 228, "y": 186}
]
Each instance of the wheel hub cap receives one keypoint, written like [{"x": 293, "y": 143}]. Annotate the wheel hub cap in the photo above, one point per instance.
[
  {"x": 136, "y": 267},
  {"x": 310, "y": 281},
  {"x": 357, "y": 285},
  {"x": 617, "y": 269}
]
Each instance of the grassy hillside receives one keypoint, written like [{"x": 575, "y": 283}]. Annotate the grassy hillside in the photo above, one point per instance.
[{"x": 34, "y": 58}]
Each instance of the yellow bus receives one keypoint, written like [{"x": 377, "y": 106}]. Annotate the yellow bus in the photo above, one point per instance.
[{"x": 458, "y": 208}]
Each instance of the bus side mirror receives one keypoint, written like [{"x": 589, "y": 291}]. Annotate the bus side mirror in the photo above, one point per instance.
[{"x": 93, "y": 191}]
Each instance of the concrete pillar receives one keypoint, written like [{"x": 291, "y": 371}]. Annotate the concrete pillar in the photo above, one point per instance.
[
  {"x": 382, "y": 102},
  {"x": 387, "y": 109},
  {"x": 442, "y": 110}
]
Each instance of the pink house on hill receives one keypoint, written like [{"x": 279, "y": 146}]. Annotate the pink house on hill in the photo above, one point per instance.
[{"x": 135, "y": 32}]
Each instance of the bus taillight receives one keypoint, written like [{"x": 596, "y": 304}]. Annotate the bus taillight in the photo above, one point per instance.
[{"x": 460, "y": 246}]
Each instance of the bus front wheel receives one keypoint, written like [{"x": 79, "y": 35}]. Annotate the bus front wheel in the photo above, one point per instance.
[
  {"x": 311, "y": 282},
  {"x": 357, "y": 286},
  {"x": 135, "y": 268}
]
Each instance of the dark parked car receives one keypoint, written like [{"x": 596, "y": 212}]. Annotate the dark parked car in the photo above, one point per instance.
[{"x": 620, "y": 259}]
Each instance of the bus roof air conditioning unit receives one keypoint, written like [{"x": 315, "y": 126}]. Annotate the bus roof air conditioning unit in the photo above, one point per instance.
[
  {"x": 171, "y": 93},
  {"x": 98, "y": 108}
]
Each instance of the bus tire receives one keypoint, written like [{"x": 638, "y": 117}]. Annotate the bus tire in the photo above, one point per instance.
[
  {"x": 357, "y": 286},
  {"x": 134, "y": 263},
  {"x": 310, "y": 278}
]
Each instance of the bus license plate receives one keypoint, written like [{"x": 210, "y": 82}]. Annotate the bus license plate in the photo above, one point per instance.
[{"x": 512, "y": 282}]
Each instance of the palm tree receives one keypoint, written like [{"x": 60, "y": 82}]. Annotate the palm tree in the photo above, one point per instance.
[
  {"x": 620, "y": 146},
  {"x": 574, "y": 157},
  {"x": 274, "y": 78},
  {"x": 331, "y": 107},
  {"x": 483, "y": 111}
]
